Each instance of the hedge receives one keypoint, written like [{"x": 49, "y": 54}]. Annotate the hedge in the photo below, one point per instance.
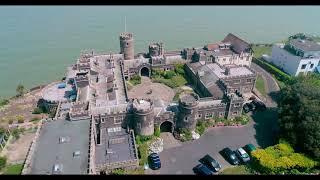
[{"x": 279, "y": 75}]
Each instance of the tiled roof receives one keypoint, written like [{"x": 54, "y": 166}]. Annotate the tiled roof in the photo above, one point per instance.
[{"x": 238, "y": 44}]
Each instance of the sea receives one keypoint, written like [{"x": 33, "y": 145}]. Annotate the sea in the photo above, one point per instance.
[{"x": 37, "y": 43}]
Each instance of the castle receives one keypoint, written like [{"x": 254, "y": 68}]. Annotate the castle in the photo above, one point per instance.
[{"x": 219, "y": 72}]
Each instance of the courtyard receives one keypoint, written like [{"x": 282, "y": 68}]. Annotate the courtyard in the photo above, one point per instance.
[{"x": 150, "y": 90}]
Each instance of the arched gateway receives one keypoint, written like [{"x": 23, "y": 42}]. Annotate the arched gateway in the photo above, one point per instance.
[
  {"x": 145, "y": 71},
  {"x": 166, "y": 126}
]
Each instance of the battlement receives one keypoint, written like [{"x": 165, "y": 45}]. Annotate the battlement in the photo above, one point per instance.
[
  {"x": 126, "y": 36},
  {"x": 189, "y": 99},
  {"x": 142, "y": 105}
]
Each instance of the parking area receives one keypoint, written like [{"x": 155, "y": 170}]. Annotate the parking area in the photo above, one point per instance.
[{"x": 182, "y": 159}]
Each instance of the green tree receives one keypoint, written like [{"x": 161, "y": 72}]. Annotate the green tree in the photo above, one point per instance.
[
  {"x": 299, "y": 114},
  {"x": 179, "y": 69},
  {"x": 20, "y": 90}
]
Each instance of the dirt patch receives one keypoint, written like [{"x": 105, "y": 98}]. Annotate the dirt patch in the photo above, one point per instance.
[
  {"x": 20, "y": 107},
  {"x": 17, "y": 151},
  {"x": 148, "y": 89}
]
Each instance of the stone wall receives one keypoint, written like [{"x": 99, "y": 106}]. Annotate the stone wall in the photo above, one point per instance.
[{"x": 29, "y": 160}]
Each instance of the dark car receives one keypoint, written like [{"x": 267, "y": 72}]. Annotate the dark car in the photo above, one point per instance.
[
  {"x": 246, "y": 108},
  {"x": 155, "y": 162},
  {"x": 201, "y": 169},
  {"x": 243, "y": 155},
  {"x": 249, "y": 148},
  {"x": 259, "y": 104},
  {"x": 211, "y": 163},
  {"x": 252, "y": 106},
  {"x": 230, "y": 156}
]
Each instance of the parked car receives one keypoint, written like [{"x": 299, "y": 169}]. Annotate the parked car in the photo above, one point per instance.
[
  {"x": 230, "y": 156},
  {"x": 243, "y": 155},
  {"x": 249, "y": 148},
  {"x": 211, "y": 163},
  {"x": 201, "y": 169},
  {"x": 155, "y": 162},
  {"x": 246, "y": 108},
  {"x": 259, "y": 104}
]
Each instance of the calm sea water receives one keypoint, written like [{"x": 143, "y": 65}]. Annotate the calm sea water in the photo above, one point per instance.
[{"x": 37, "y": 43}]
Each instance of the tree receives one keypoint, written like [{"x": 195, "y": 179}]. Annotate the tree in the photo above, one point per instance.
[
  {"x": 169, "y": 74},
  {"x": 299, "y": 114},
  {"x": 20, "y": 90}
]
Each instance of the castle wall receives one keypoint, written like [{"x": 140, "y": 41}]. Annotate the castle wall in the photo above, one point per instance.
[
  {"x": 242, "y": 84},
  {"x": 235, "y": 106},
  {"x": 188, "y": 110}
]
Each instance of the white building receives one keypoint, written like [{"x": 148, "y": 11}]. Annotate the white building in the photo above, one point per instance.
[{"x": 296, "y": 57}]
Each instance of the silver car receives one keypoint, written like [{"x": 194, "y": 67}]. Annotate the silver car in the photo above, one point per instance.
[{"x": 243, "y": 155}]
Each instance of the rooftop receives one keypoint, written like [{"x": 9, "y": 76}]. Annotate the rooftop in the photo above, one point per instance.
[
  {"x": 116, "y": 146},
  {"x": 57, "y": 143},
  {"x": 305, "y": 45}
]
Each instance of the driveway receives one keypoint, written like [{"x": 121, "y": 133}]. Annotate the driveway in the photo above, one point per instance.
[{"x": 272, "y": 87}]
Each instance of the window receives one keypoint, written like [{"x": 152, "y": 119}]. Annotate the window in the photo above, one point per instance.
[
  {"x": 185, "y": 119},
  {"x": 248, "y": 80},
  {"x": 311, "y": 66},
  {"x": 236, "y": 104},
  {"x": 118, "y": 119},
  {"x": 199, "y": 115},
  {"x": 208, "y": 115},
  {"x": 236, "y": 81},
  {"x": 303, "y": 66},
  {"x": 102, "y": 120},
  {"x": 115, "y": 129}
]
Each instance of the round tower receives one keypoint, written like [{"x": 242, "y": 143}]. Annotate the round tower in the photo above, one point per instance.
[
  {"x": 126, "y": 45},
  {"x": 143, "y": 117},
  {"x": 188, "y": 108}
]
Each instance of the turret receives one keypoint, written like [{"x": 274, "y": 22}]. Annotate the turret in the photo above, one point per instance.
[
  {"x": 127, "y": 45},
  {"x": 188, "y": 108},
  {"x": 143, "y": 116}
]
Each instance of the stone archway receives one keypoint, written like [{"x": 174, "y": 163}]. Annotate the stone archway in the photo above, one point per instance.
[
  {"x": 166, "y": 126},
  {"x": 145, "y": 71}
]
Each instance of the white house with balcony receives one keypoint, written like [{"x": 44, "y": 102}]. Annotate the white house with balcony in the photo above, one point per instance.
[{"x": 296, "y": 57}]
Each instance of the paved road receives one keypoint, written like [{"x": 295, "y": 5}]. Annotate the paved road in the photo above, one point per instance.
[
  {"x": 181, "y": 160},
  {"x": 272, "y": 86}
]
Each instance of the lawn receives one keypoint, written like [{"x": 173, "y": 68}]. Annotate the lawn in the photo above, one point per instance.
[
  {"x": 13, "y": 169},
  {"x": 261, "y": 86},
  {"x": 260, "y": 50},
  {"x": 236, "y": 170}
]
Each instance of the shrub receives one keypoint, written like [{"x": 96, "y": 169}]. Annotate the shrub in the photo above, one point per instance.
[
  {"x": 3, "y": 162},
  {"x": 10, "y": 121},
  {"x": 169, "y": 74},
  {"x": 201, "y": 127},
  {"x": 140, "y": 139},
  {"x": 179, "y": 69},
  {"x": 187, "y": 135},
  {"x": 179, "y": 80},
  {"x": 281, "y": 158},
  {"x": 4, "y": 102},
  {"x": 143, "y": 154},
  {"x": 20, "y": 119},
  {"x": 37, "y": 110},
  {"x": 118, "y": 171},
  {"x": 135, "y": 79},
  {"x": 35, "y": 119},
  {"x": 16, "y": 132},
  {"x": 157, "y": 131}
]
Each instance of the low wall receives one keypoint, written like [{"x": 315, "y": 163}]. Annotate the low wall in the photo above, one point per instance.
[{"x": 28, "y": 162}]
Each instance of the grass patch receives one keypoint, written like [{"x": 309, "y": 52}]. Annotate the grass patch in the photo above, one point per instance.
[
  {"x": 135, "y": 80},
  {"x": 261, "y": 86},
  {"x": 259, "y": 50},
  {"x": 4, "y": 102},
  {"x": 236, "y": 170},
  {"x": 14, "y": 169}
]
